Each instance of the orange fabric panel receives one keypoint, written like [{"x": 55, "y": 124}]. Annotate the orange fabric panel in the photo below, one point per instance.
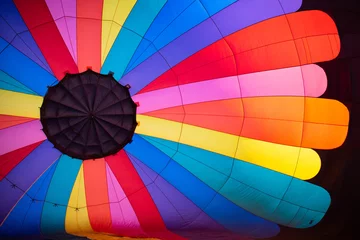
[
  {"x": 328, "y": 111},
  {"x": 282, "y": 108},
  {"x": 8, "y": 121},
  {"x": 88, "y": 25},
  {"x": 231, "y": 125},
  {"x": 323, "y": 136},
  {"x": 275, "y": 131},
  {"x": 97, "y": 199}
]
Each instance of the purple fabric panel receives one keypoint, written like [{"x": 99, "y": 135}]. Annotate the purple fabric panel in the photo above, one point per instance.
[
  {"x": 71, "y": 25},
  {"x": 290, "y": 5},
  {"x": 233, "y": 18},
  {"x": 149, "y": 70},
  {"x": 25, "y": 174},
  {"x": 23, "y": 47},
  {"x": 69, "y": 7},
  {"x": 23, "y": 42},
  {"x": 177, "y": 210},
  {"x": 144, "y": 172},
  {"x": 189, "y": 43},
  {"x": 6, "y": 32}
]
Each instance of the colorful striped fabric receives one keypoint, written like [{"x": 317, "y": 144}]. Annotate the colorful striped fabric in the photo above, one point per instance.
[{"x": 229, "y": 117}]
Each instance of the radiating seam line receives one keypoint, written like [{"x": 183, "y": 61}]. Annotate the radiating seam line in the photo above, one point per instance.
[
  {"x": 160, "y": 190},
  {"x": 127, "y": 196},
  {"x": 20, "y": 88},
  {"x": 215, "y": 40},
  {"x": 242, "y": 117},
  {"x": 235, "y": 179},
  {"x": 151, "y": 42},
  {"x": 17, "y": 124},
  {"x": 238, "y": 74},
  {"x": 107, "y": 39},
  {"x": 18, "y": 34},
  {"x": 142, "y": 36},
  {"x": 256, "y": 48}
]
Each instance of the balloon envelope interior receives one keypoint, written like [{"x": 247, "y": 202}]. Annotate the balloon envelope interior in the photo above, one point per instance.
[{"x": 164, "y": 119}]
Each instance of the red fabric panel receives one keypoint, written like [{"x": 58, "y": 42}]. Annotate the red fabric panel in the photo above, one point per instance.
[
  {"x": 97, "y": 195},
  {"x": 8, "y": 121},
  {"x": 139, "y": 197},
  {"x": 9, "y": 160},
  {"x": 285, "y": 41},
  {"x": 88, "y": 30},
  {"x": 44, "y": 30}
]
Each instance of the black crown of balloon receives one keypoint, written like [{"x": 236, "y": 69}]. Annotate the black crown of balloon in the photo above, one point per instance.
[{"x": 88, "y": 115}]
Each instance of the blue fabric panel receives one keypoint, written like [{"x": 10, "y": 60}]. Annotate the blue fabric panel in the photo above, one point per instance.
[
  {"x": 24, "y": 70},
  {"x": 27, "y": 44},
  {"x": 25, "y": 218},
  {"x": 197, "y": 191},
  {"x": 142, "y": 149},
  {"x": 135, "y": 27},
  {"x": 8, "y": 83},
  {"x": 171, "y": 23},
  {"x": 53, "y": 216}
]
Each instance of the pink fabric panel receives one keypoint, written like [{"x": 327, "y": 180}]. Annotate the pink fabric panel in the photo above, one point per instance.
[{"x": 21, "y": 135}]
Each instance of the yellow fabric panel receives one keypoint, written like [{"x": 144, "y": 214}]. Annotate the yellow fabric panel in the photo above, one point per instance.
[
  {"x": 77, "y": 222},
  {"x": 20, "y": 104},
  {"x": 115, "y": 13},
  {"x": 157, "y": 127},
  {"x": 301, "y": 163}
]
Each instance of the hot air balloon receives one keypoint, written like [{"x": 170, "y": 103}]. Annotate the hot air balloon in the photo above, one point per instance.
[{"x": 163, "y": 119}]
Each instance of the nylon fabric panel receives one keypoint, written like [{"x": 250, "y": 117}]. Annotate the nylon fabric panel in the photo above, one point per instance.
[
  {"x": 97, "y": 198},
  {"x": 256, "y": 189},
  {"x": 11, "y": 61},
  {"x": 277, "y": 157},
  {"x": 273, "y": 52},
  {"x": 171, "y": 11},
  {"x": 124, "y": 219},
  {"x": 44, "y": 156},
  {"x": 242, "y": 222},
  {"x": 227, "y": 21},
  {"x": 130, "y": 36},
  {"x": 271, "y": 119},
  {"x": 77, "y": 222},
  {"x": 116, "y": 12},
  {"x": 237, "y": 16},
  {"x": 20, "y": 104},
  {"x": 88, "y": 32},
  {"x": 21, "y": 135},
  {"x": 9, "y": 121},
  {"x": 10, "y": 160},
  {"x": 25, "y": 218},
  {"x": 309, "y": 80},
  {"x": 139, "y": 198},
  {"x": 64, "y": 14},
  {"x": 179, "y": 213},
  {"x": 9, "y": 83},
  {"x": 22, "y": 39},
  {"x": 44, "y": 30},
  {"x": 58, "y": 194}
]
